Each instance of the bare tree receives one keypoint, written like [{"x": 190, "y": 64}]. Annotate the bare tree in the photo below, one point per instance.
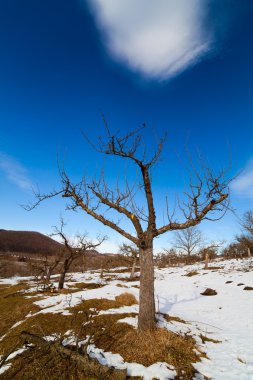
[
  {"x": 43, "y": 267},
  {"x": 73, "y": 250},
  {"x": 246, "y": 238},
  {"x": 207, "y": 195},
  {"x": 131, "y": 251},
  {"x": 247, "y": 222},
  {"x": 210, "y": 251},
  {"x": 188, "y": 240},
  {"x": 245, "y": 244},
  {"x": 167, "y": 257}
]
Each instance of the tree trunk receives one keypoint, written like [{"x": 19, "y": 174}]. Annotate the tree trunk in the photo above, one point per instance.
[
  {"x": 133, "y": 268},
  {"x": 207, "y": 260},
  {"x": 146, "y": 319},
  {"x": 48, "y": 277},
  {"x": 249, "y": 253},
  {"x": 63, "y": 274}
]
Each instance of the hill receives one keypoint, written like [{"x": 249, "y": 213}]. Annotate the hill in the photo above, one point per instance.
[
  {"x": 19, "y": 249},
  {"x": 27, "y": 242}
]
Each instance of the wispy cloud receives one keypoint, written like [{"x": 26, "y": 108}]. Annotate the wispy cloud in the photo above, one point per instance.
[
  {"x": 158, "y": 39},
  {"x": 109, "y": 246},
  {"x": 14, "y": 171},
  {"x": 243, "y": 184}
]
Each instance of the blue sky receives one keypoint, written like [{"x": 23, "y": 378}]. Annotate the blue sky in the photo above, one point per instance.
[{"x": 182, "y": 66}]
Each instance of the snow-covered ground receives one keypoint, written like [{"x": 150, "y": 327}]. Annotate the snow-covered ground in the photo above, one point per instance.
[{"x": 226, "y": 317}]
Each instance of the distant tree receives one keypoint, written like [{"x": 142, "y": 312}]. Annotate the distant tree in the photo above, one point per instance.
[
  {"x": 245, "y": 244},
  {"x": 73, "y": 250},
  {"x": 188, "y": 240},
  {"x": 167, "y": 257},
  {"x": 209, "y": 252},
  {"x": 247, "y": 222},
  {"x": 43, "y": 266},
  {"x": 246, "y": 238},
  {"x": 208, "y": 194},
  {"x": 130, "y": 250},
  {"x": 231, "y": 251}
]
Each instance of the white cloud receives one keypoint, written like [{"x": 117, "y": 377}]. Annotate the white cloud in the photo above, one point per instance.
[
  {"x": 157, "y": 38},
  {"x": 243, "y": 184},
  {"x": 14, "y": 171},
  {"x": 109, "y": 246}
]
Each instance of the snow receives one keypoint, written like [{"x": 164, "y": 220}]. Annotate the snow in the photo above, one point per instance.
[
  {"x": 15, "y": 353},
  {"x": 130, "y": 320},
  {"x": 58, "y": 303},
  {"x": 161, "y": 371},
  {"x": 17, "y": 324},
  {"x": 121, "y": 310},
  {"x": 6, "y": 366},
  {"x": 226, "y": 317},
  {"x": 14, "y": 280}
]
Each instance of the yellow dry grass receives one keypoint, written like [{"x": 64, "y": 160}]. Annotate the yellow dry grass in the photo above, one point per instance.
[
  {"x": 126, "y": 299},
  {"x": 14, "y": 306},
  {"x": 85, "y": 285},
  {"x": 149, "y": 347},
  {"x": 145, "y": 348},
  {"x": 192, "y": 273},
  {"x": 170, "y": 318}
]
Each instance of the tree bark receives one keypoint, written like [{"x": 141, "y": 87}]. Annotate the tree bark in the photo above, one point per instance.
[
  {"x": 48, "y": 277},
  {"x": 146, "y": 319},
  {"x": 207, "y": 260},
  {"x": 63, "y": 274},
  {"x": 249, "y": 253},
  {"x": 133, "y": 268}
]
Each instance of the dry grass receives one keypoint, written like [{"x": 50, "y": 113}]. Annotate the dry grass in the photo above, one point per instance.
[
  {"x": 241, "y": 360},
  {"x": 3, "y": 286},
  {"x": 127, "y": 299},
  {"x": 144, "y": 348},
  {"x": 40, "y": 324},
  {"x": 85, "y": 286},
  {"x": 97, "y": 304},
  {"x": 248, "y": 288},
  {"x": 192, "y": 273},
  {"x": 14, "y": 306},
  {"x": 124, "y": 299},
  {"x": 44, "y": 363},
  {"x": 109, "y": 277},
  {"x": 171, "y": 318},
  {"x": 206, "y": 339},
  {"x": 76, "y": 287},
  {"x": 147, "y": 348},
  {"x": 124, "y": 270},
  {"x": 209, "y": 292},
  {"x": 48, "y": 362},
  {"x": 128, "y": 279}
]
